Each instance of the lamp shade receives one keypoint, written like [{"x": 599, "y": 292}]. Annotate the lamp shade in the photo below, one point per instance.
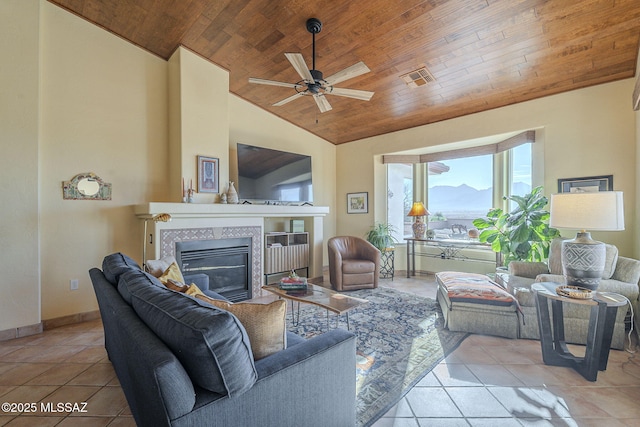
[
  {"x": 597, "y": 211},
  {"x": 418, "y": 209}
]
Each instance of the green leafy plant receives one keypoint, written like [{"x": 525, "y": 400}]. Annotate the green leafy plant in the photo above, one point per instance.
[
  {"x": 381, "y": 236},
  {"x": 522, "y": 234}
]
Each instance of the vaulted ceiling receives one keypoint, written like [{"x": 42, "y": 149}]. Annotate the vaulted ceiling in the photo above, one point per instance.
[{"x": 483, "y": 54}]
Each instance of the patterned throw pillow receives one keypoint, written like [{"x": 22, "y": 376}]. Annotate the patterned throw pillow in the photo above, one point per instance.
[
  {"x": 172, "y": 273},
  {"x": 264, "y": 323}
]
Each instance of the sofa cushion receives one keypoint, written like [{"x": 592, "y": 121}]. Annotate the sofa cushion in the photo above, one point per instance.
[
  {"x": 555, "y": 256},
  {"x": 211, "y": 344},
  {"x": 357, "y": 266},
  {"x": 264, "y": 323},
  {"x": 138, "y": 276},
  {"x": 473, "y": 288},
  {"x": 115, "y": 264},
  {"x": 610, "y": 261}
]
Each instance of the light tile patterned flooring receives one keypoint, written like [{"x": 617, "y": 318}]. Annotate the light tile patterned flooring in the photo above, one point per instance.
[{"x": 487, "y": 381}]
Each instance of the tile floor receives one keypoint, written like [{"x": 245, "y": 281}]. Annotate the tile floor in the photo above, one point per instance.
[{"x": 487, "y": 381}]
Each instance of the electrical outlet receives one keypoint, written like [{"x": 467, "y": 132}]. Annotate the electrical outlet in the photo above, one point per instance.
[{"x": 73, "y": 284}]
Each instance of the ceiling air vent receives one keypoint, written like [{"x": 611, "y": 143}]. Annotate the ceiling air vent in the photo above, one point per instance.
[{"x": 417, "y": 78}]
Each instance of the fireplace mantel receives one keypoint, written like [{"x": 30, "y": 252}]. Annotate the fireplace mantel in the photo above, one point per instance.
[
  {"x": 213, "y": 210},
  {"x": 194, "y": 221}
]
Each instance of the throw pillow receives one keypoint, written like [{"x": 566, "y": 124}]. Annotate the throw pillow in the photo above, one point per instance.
[
  {"x": 193, "y": 290},
  {"x": 171, "y": 273},
  {"x": 264, "y": 323},
  {"x": 174, "y": 285},
  {"x": 158, "y": 266}
]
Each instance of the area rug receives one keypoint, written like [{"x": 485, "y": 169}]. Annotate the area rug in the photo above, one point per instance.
[{"x": 400, "y": 338}]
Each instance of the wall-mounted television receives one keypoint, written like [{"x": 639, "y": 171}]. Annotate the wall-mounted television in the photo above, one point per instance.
[{"x": 273, "y": 176}]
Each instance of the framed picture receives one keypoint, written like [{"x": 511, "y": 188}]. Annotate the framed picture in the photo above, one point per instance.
[
  {"x": 357, "y": 203},
  {"x": 589, "y": 184},
  {"x": 208, "y": 175}
]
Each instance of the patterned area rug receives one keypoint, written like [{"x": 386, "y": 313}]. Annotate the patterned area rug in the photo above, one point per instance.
[{"x": 400, "y": 339}]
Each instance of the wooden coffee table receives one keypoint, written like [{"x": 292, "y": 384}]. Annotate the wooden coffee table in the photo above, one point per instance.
[{"x": 322, "y": 297}]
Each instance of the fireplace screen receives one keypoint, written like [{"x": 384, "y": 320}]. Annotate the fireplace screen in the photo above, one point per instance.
[{"x": 227, "y": 262}]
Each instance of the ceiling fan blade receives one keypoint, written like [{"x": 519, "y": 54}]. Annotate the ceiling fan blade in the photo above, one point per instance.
[
  {"x": 297, "y": 60},
  {"x": 289, "y": 99},
  {"x": 348, "y": 73},
  {"x": 274, "y": 83},
  {"x": 363, "y": 95},
  {"x": 322, "y": 102}
]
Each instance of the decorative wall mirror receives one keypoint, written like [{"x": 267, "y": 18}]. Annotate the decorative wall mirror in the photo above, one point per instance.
[{"x": 86, "y": 186}]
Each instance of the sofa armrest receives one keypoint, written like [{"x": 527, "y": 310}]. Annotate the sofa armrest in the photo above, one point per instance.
[
  {"x": 555, "y": 278},
  {"x": 303, "y": 350},
  {"x": 335, "y": 267},
  {"x": 200, "y": 279},
  {"x": 627, "y": 270},
  {"x": 317, "y": 375},
  {"x": 527, "y": 269}
]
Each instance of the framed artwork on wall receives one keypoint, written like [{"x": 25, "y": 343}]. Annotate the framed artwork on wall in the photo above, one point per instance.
[
  {"x": 589, "y": 184},
  {"x": 208, "y": 175},
  {"x": 357, "y": 203}
]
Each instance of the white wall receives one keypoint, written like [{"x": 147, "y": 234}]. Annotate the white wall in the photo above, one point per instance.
[
  {"x": 104, "y": 110},
  {"x": 199, "y": 112},
  {"x": 585, "y": 132},
  {"x": 254, "y": 126},
  {"x": 19, "y": 124}
]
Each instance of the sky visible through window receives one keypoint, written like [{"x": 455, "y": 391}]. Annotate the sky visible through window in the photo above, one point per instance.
[{"x": 472, "y": 170}]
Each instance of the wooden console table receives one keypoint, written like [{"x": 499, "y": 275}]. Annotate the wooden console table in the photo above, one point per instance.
[{"x": 449, "y": 249}]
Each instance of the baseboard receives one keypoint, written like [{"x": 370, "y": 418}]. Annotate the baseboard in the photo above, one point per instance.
[
  {"x": 70, "y": 319},
  {"x": 19, "y": 332}
]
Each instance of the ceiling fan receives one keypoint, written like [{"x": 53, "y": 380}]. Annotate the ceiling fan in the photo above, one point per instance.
[{"x": 313, "y": 83}]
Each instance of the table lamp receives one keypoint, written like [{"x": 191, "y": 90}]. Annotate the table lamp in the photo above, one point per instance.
[
  {"x": 419, "y": 227},
  {"x": 583, "y": 258},
  {"x": 162, "y": 217}
]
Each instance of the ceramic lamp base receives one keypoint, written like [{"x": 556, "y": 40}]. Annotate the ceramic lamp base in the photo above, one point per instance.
[
  {"x": 419, "y": 228},
  {"x": 583, "y": 261}
]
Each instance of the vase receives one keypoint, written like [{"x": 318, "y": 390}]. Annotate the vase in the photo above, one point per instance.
[{"x": 232, "y": 194}]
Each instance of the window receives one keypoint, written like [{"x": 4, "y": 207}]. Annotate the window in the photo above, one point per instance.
[
  {"x": 519, "y": 167},
  {"x": 400, "y": 198},
  {"x": 458, "y": 190},
  {"x": 457, "y": 194}
]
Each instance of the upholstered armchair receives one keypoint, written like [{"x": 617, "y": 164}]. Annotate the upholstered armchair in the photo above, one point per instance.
[{"x": 354, "y": 263}]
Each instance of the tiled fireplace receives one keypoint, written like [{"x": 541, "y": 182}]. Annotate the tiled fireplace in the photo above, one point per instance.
[
  {"x": 202, "y": 222},
  {"x": 170, "y": 238}
]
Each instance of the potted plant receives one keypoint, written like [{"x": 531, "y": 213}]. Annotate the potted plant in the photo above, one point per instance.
[
  {"x": 381, "y": 236},
  {"x": 522, "y": 234}
]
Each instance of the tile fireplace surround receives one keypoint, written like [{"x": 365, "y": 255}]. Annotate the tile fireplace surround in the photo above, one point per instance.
[{"x": 199, "y": 221}]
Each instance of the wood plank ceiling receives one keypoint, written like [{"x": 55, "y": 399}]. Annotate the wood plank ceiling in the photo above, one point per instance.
[{"x": 483, "y": 54}]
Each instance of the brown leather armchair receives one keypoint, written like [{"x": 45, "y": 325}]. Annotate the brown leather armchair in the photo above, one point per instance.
[{"x": 354, "y": 263}]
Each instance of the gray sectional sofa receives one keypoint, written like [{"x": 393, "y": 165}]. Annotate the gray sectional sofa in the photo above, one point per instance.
[
  {"x": 621, "y": 276},
  {"x": 182, "y": 362}
]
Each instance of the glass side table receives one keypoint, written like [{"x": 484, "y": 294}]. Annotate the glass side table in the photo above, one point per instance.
[{"x": 604, "y": 306}]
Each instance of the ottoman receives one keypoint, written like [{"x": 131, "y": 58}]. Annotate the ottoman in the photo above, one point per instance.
[{"x": 474, "y": 303}]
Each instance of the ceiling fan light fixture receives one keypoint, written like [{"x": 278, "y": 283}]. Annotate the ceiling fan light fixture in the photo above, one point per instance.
[{"x": 313, "y": 82}]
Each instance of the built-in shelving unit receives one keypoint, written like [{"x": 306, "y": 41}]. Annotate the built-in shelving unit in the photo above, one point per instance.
[{"x": 284, "y": 252}]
